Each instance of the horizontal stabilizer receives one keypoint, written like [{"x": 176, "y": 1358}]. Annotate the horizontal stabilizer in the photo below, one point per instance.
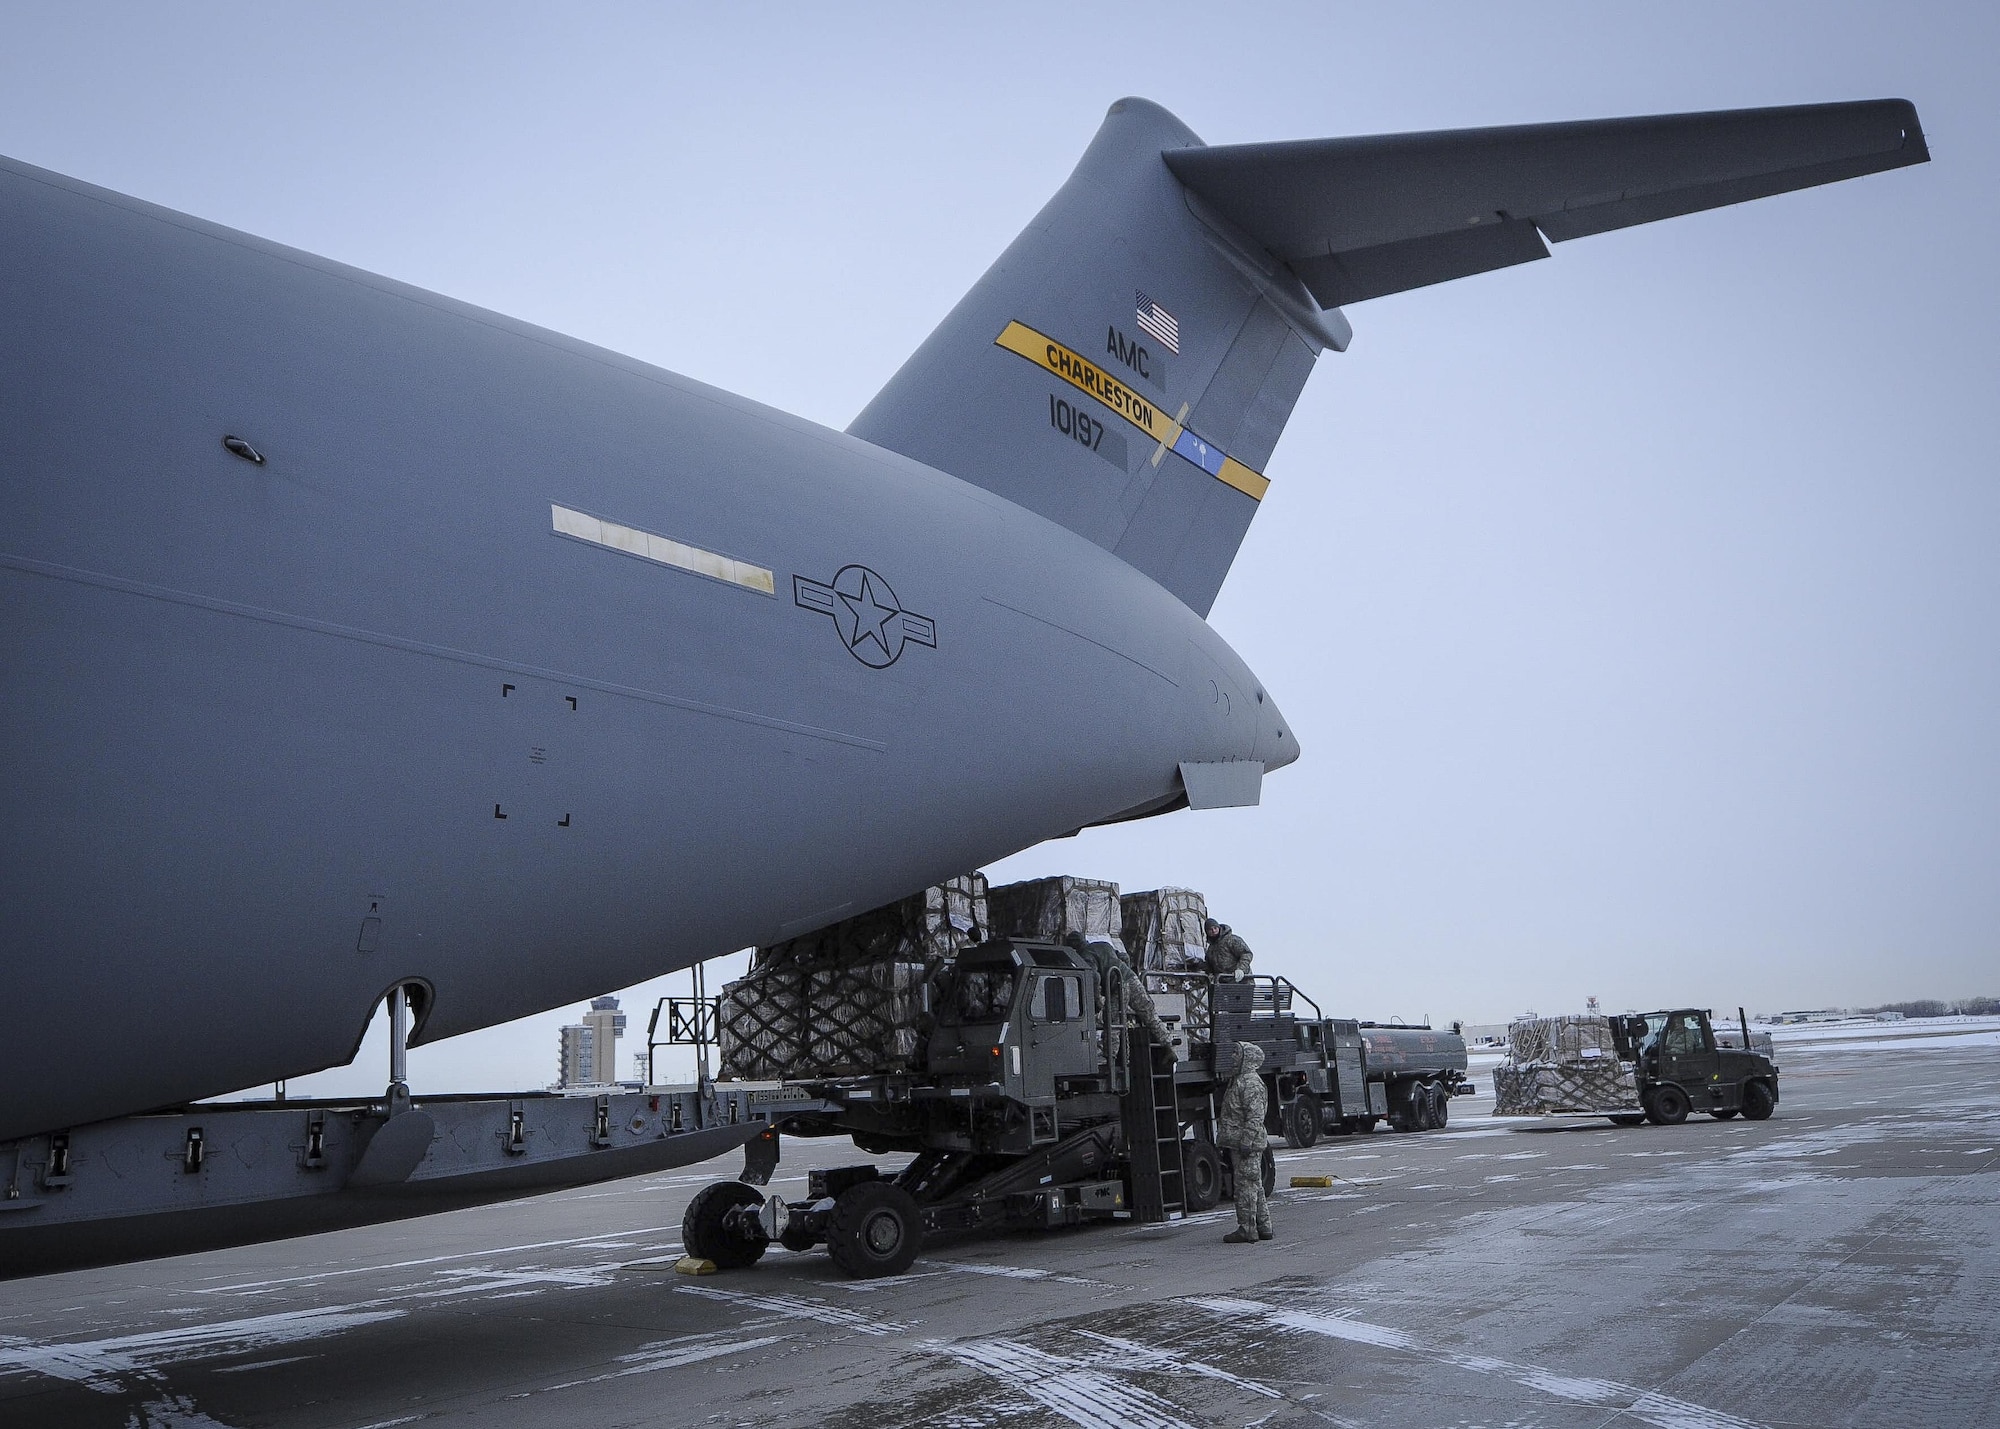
[{"x": 1358, "y": 218}]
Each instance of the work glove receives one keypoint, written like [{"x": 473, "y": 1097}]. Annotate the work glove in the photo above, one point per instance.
[{"x": 1242, "y": 975}]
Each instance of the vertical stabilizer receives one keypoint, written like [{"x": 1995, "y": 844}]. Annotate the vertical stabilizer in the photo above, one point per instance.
[{"x": 1124, "y": 369}]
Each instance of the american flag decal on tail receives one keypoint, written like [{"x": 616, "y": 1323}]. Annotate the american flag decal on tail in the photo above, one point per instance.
[{"x": 1160, "y": 323}]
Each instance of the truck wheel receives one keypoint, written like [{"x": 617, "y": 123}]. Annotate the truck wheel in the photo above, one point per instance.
[
  {"x": 1443, "y": 1094},
  {"x": 1758, "y": 1102},
  {"x": 875, "y": 1230},
  {"x": 1302, "y": 1127},
  {"x": 798, "y": 1241},
  {"x": 1268, "y": 1168},
  {"x": 1667, "y": 1106},
  {"x": 1629, "y": 1118},
  {"x": 1723, "y": 1113},
  {"x": 702, "y": 1232},
  {"x": 1201, "y": 1174}
]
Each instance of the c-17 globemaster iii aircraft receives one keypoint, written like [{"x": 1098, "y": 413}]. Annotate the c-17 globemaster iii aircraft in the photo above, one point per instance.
[{"x": 360, "y": 640}]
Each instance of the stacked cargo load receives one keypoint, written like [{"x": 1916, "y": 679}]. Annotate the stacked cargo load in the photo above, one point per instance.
[
  {"x": 1163, "y": 928},
  {"x": 846, "y": 1000},
  {"x": 1165, "y": 938},
  {"x": 1046, "y": 908},
  {"x": 1563, "y": 1064},
  {"x": 933, "y": 926}
]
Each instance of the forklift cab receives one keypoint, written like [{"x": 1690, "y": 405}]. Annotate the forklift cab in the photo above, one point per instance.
[{"x": 1685, "y": 1051}]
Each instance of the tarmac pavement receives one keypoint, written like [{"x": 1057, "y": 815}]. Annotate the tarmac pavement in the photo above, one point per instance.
[{"x": 1837, "y": 1265}]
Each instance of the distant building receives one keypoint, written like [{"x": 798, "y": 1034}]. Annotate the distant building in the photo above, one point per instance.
[
  {"x": 589, "y": 1049},
  {"x": 577, "y": 1061}
]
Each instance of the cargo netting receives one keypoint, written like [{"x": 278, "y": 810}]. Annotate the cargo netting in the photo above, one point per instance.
[
  {"x": 794, "y": 1021},
  {"x": 848, "y": 999}
]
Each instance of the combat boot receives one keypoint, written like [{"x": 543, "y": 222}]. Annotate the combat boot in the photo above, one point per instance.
[
  {"x": 1263, "y": 1233},
  {"x": 1237, "y": 1237}
]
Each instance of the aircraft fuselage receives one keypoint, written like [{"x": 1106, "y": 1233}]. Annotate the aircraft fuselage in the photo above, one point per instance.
[{"x": 517, "y": 670}]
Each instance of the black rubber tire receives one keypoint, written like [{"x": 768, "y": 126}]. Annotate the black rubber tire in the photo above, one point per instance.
[
  {"x": 1759, "y": 1101},
  {"x": 1629, "y": 1118},
  {"x": 1668, "y": 1106},
  {"x": 1724, "y": 1114},
  {"x": 1443, "y": 1106},
  {"x": 1201, "y": 1175},
  {"x": 875, "y": 1230},
  {"x": 797, "y": 1241},
  {"x": 1269, "y": 1167},
  {"x": 1433, "y": 1113},
  {"x": 702, "y": 1235},
  {"x": 1304, "y": 1125}
]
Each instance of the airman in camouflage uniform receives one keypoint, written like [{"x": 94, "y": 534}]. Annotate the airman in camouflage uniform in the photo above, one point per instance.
[
  {"x": 1138, "y": 1002},
  {"x": 1228, "y": 954},
  {"x": 1239, "y": 1126}
]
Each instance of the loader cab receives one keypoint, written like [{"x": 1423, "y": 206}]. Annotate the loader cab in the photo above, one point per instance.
[{"x": 1016, "y": 1014}]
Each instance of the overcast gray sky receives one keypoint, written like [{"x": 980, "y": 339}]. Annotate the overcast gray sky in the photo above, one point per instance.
[{"x": 1636, "y": 610}]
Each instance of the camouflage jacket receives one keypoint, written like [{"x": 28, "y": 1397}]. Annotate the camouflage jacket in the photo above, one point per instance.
[
  {"x": 1228, "y": 954},
  {"x": 1245, "y": 1102}
]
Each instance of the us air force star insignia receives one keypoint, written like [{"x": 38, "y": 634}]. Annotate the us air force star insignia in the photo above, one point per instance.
[{"x": 872, "y": 624}]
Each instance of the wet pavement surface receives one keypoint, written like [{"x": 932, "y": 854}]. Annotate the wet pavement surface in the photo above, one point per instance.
[{"x": 1837, "y": 1265}]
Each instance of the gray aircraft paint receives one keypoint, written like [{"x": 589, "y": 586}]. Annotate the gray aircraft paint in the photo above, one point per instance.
[{"x": 286, "y": 733}]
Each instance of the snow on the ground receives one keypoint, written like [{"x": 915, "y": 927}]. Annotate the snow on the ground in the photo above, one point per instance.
[
  {"x": 1911, "y": 1031},
  {"x": 1934, "y": 1042}
]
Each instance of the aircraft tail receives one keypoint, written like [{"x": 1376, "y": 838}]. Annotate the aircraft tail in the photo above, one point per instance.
[
  {"x": 1127, "y": 364},
  {"x": 1123, "y": 369}
]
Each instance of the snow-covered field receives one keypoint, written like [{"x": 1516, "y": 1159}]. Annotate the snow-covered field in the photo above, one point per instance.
[{"x": 1911, "y": 1034}]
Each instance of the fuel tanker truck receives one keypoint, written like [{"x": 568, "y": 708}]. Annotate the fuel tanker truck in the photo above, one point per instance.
[{"x": 1334, "y": 1075}]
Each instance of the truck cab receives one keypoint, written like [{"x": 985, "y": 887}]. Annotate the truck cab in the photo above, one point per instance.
[
  {"x": 1681, "y": 1069},
  {"x": 1017, "y": 1033}
]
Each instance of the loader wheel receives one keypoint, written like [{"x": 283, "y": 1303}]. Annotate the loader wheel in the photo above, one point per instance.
[
  {"x": 1758, "y": 1102},
  {"x": 703, "y": 1235},
  {"x": 875, "y": 1230},
  {"x": 1302, "y": 1127},
  {"x": 1201, "y": 1174},
  {"x": 1629, "y": 1118},
  {"x": 1667, "y": 1106},
  {"x": 798, "y": 1241},
  {"x": 1723, "y": 1113}
]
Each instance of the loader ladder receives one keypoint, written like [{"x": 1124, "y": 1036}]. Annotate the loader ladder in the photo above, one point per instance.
[{"x": 1153, "y": 1132}]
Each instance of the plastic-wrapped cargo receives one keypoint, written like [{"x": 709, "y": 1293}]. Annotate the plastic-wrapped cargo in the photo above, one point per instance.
[
  {"x": 1046, "y": 908},
  {"x": 1563, "y": 1064},
  {"x": 928, "y": 927},
  {"x": 1536, "y": 1040},
  {"x": 1163, "y": 928}
]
